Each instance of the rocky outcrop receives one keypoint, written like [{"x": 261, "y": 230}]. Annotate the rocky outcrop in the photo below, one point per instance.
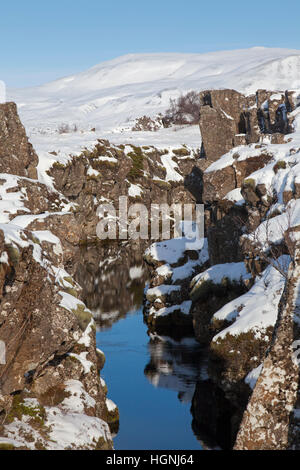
[
  {"x": 50, "y": 352},
  {"x": 51, "y": 396},
  {"x": 212, "y": 289},
  {"x": 17, "y": 155},
  {"x": 145, "y": 174},
  {"x": 217, "y": 183},
  {"x": 271, "y": 419},
  {"x": 229, "y": 119},
  {"x": 221, "y": 109},
  {"x": 172, "y": 265},
  {"x": 249, "y": 193}
]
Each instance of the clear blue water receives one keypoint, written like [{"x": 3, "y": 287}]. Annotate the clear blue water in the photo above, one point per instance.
[{"x": 152, "y": 382}]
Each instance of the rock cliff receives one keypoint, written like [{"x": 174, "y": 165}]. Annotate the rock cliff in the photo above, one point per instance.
[
  {"x": 244, "y": 301},
  {"x": 51, "y": 396},
  {"x": 252, "y": 203}
]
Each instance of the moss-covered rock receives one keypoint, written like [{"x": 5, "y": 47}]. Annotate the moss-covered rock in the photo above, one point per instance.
[
  {"x": 181, "y": 152},
  {"x": 101, "y": 359},
  {"x": 13, "y": 254},
  {"x": 162, "y": 184},
  {"x": 249, "y": 183},
  {"x": 20, "y": 408},
  {"x": 102, "y": 444},
  {"x": 234, "y": 356},
  {"x": 137, "y": 158},
  {"x": 202, "y": 290},
  {"x": 112, "y": 416},
  {"x": 83, "y": 316},
  {"x": 7, "y": 446},
  {"x": 279, "y": 165}
]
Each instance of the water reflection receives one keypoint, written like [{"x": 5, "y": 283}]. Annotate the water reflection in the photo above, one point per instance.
[
  {"x": 174, "y": 364},
  {"x": 113, "y": 279}
]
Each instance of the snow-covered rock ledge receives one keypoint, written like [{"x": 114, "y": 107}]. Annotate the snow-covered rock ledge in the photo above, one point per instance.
[{"x": 172, "y": 264}]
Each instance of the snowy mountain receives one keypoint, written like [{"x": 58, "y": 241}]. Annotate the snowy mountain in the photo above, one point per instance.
[
  {"x": 115, "y": 92},
  {"x": 111, "y": 95}
]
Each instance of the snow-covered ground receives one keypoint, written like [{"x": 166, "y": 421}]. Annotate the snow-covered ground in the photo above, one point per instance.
[
  {"x": 111, "y": 95},
  {"x": 116, "y": 92}
]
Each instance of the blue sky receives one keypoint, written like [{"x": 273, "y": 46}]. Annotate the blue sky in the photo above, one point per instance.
[{"x": 44, "y": 40}]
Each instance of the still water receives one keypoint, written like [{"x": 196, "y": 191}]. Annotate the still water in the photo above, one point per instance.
[
  {"x": 152, "y": 382},
  {"x": 151, "y": 378}
]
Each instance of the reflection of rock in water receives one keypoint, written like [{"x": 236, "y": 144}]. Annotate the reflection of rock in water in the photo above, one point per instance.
[
  {"x": 113, "y": 277},
  {"x": 181, "y": 365},
  {"x": 174, "y": 364},
  {"x": 215, "y": 419}
]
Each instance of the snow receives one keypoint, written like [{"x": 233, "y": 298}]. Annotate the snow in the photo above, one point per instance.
[
  {"x": 86, "y": 337},
  {"x": 111, "y": 406},
  {"x": 227, "y": 159},
  {"x": 252, "y": 377},
  {"x": 69, "y": 430},
  {"x": 135, "y": 190},
  {"x": 92, "y": 172},
  {"x": 102, "y": 381},
  {"x": 46, "y": 236},
  {"x": 133, "y": 85},
  {"x": 4, "y": 258},
  {"x": 218, "y": 272},
  {"x": 79, "y": 399},
  {"x": 165, "y": 271},
  {"x": 276, "y": 97},
  {"x": 82, "y": 358},
  {"x": 71, "y": 303},
  {"x": 10, "y": 202},
  {"x": 110, "y": 96},
  {"x": 258, "y": 308},
  {"x": 161, "y": 290},
  {"x": 171, "y": 166},
  {"x": 171, "y": 251},
  {"x": 136, "y": 272},
  {"x": 184, "y": 308},
  {"x": 66, "y": 426},
  {"x": 235, "y": 196},
  {"x": 25, "y": 220},
  {"x": 272, "y": 230},
  {"x": 188, "y": 269}
]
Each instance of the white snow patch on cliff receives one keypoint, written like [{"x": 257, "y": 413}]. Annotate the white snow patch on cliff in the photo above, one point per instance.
[{"x": 258, "y": 308}]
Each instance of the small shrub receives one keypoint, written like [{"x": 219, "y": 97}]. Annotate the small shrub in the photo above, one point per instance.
[
  {"x": 145, "y": 123},
  {"x": 184, "y": 110},
  {"x": 58, "y": 166},
  {"x": 63, "y": 128}
]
